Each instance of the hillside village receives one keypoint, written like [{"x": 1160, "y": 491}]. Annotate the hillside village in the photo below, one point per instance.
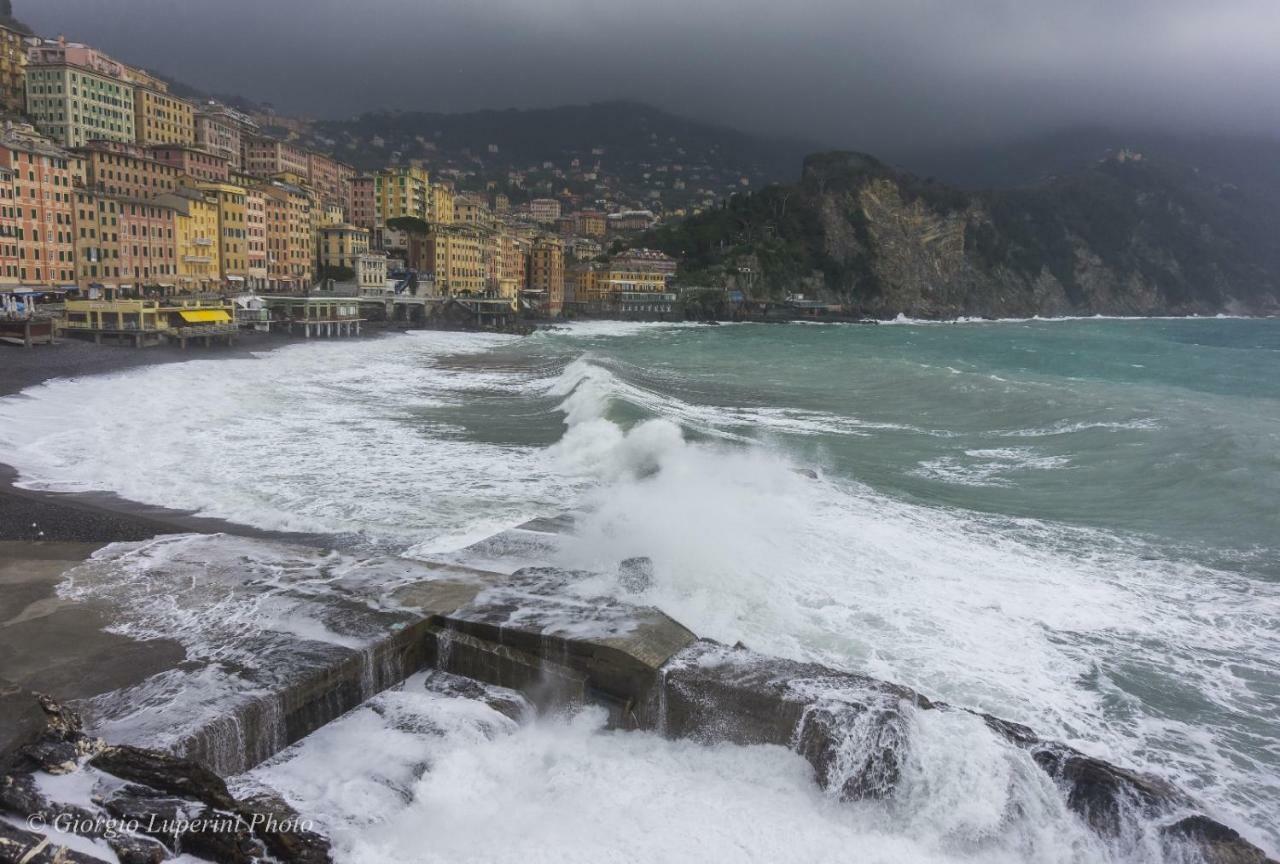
[{"x": 130, "y": 213}]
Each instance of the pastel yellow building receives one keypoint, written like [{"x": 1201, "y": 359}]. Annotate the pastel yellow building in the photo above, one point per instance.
[
  {"x": 233, "y": 231},
  {"x": 343, "y": 246},
  {"x": 196, "y": 230},
  {"x": 458, "y": 256},
  {"x": 469, "y": 210},
  {"x": 161, "y": 118},
  {"x": 401, "y": 192},
  {"x": 441, "y": 204}
]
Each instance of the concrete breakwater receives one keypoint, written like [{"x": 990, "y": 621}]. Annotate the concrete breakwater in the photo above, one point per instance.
[{"x": 279, "y": 640}]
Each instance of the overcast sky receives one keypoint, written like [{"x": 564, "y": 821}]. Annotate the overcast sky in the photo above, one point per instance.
[{"x": 882, "y": 75}]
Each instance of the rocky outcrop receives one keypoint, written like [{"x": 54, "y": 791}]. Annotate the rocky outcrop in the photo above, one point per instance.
[
  {"x": 1122, "y": 237},
  {"x": 146, "y": 806}
]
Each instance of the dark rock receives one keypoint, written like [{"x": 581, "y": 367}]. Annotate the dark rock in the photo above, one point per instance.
[
  {"x": 222, "y": 837},
  {"x": 1217, "y": 843},
  {"x": 166, "y": 773},
  {"x": 287, "y": 836},
  {"x": 58, "y": 747},
  {"x": 27, "y": 847},
  {"x": 1103, "y": 793},
  {"x": 53, "y": 756},
  {"x": 152, "y": 810},
  {"x": 131, "y": 849},
  {"x": 21, "y": 721},
  {"x": 636, "y": 574},
  {"x": 19, "y": 795},
  {"x": 856, "y": 750}
]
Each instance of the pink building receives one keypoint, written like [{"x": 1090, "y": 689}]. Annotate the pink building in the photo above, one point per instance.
[
  {"x": 255, "y": 230},
  {"x": 57, "y": 52},
  {"x": 192, "y": 162},
  {"x": 42, "y": 195},
  {"x": 148, "y": 245},
  {"x": 330, "y": 179},
  {"x": 267, "y": 157},
  {"x": 362, "y": 203}
]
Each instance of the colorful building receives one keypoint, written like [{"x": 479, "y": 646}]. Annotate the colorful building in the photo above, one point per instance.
[
  {"x": 76, "y": 94},
  {"x": 546, "y": 273},
  {"x": 442, "y": 204},
  {"x": 221, "y": 131},
  {"x": 8, "y": 230},
  {"x": 148, "y": 247},
  {"x": 44, "y": 204},
  {"x": 290, "y": 234},
  {"x": 546, "y": 210},
  {"x": 362, "y": 206},
  {"x": 127, "y": 170},
  {"x": 233, "y": 236},
  {"x": 193, "y": 162},
  {"x": 162, "y": 118},
  {"x": 196, "y": 234},
  {"x": 343, "y": 245},
  {"x": 590, "y": 223},
  {"x": 401, "y": 192},
  {"x": 330, "y": 179},
  {"x": 97, "y": 245},
  {"x": 13, "y": 69},
  {"x": 456, "y": 256},
  {"x": 266, "y": 157},
  {"x": 255, "y": 227}
]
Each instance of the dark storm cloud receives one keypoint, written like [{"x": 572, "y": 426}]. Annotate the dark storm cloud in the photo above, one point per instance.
[{"x": 888, "y": 75}]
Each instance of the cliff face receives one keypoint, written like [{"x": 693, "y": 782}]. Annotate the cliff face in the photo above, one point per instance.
[{"x": 1126, "y": 237}]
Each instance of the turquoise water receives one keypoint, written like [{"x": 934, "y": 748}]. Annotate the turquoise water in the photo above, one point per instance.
[
  {"x": 1163, "y": 428},
  {"x": 1071, "y": 524}
]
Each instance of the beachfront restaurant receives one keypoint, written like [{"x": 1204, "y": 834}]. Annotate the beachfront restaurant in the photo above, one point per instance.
[
  {"x": 311, "y": 315},
  {"x": 152, "y": 322}
]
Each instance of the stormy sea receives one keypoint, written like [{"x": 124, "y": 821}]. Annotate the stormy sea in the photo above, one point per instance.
[{"x": 1071, "y": 524}]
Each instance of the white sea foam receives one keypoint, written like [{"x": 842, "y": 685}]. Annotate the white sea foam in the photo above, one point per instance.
[
  {"x": 308, "y": 438},
  {"x": 990, "y": 467},
  {"x": 1014, "y": 616}
]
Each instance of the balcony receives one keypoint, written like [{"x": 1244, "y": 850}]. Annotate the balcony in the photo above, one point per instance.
[
  {"x": 203, "y": 241},
  {"x": 197, "y": 259}
]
